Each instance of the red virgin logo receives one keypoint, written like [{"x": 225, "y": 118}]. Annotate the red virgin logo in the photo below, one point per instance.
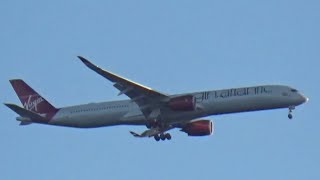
[{"x": 32, "y": 104}]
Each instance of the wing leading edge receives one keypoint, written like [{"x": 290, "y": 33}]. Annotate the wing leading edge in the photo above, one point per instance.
[{"x": 147, "y": 99}]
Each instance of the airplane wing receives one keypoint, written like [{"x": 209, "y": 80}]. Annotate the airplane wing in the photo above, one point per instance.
[
  {"x": 151, "y": 132},
  {"x": 146, "y": 98},
  {"x": 148, "y": 133}
]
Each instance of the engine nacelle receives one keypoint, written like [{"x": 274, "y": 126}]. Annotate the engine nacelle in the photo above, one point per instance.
[
  {"x": 198, "y": 128},
  {"x": 182, "y": 103}
]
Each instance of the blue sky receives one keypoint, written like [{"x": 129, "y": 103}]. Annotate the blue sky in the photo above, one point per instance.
[{"x": 173, "y": 47}]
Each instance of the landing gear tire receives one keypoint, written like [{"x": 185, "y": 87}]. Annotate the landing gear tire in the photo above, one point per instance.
[
  {"x": 157, "y": 138},
  {"x": 162, "y": 137},
  {"x": 168, "y": 136},
  {"x": 290, "y": 112}
]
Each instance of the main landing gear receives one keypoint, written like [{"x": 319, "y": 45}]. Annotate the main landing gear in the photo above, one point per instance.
[
  {"x": 162, "y": 136},
  {"x": 290, "y": 112},
  {"x": 157, "y": 124}
]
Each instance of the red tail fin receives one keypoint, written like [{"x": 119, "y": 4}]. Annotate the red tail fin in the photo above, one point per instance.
[{"x": 30, "y": 99}]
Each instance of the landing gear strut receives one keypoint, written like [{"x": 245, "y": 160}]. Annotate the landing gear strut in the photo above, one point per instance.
[
  {"x": 152, "y": 123},
  {"x": 290, "y": 112}
]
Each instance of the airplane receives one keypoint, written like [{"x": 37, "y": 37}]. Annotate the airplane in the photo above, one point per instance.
[{"x": 157, "y": 111}]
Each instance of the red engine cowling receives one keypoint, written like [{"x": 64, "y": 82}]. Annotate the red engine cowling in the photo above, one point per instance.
[
  {"x": 198, "y": 128},
  {"x": 182, "y": 103}
]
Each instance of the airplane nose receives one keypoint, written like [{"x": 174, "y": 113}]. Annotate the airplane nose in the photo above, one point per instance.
[{"x": 304, "y": 98}]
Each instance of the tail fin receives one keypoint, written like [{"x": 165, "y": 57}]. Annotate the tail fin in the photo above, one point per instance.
[{"x": 30, "y": 99}]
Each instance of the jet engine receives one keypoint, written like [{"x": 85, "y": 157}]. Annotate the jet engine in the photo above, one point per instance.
[
  {"x": 198, "y": 128},
  {"x": 182, "y": 103}
]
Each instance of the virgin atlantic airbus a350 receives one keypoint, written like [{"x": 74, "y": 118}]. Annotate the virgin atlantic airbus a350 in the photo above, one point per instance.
[{"x": 157, "y": 111}]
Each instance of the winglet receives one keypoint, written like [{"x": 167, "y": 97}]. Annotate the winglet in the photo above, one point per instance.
[
  {"x": 110, "y": 76},
  {"x": 86, "y": 62},
  {"x": 118, "y": 80},
  {"x": 82, "y": 58}
]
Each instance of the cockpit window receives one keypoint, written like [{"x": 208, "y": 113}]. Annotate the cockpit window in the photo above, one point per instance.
[{"x": 294, "y": 90}]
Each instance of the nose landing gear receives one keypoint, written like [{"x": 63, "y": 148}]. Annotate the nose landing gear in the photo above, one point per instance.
[{"x": 290, "y": 112}]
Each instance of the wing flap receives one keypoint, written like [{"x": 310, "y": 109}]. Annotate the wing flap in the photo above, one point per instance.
[
  {"x": 151, "y": 132},
  {"x": 147, "y": 133}
]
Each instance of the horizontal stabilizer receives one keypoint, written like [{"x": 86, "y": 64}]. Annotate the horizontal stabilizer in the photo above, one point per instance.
[{"x": 25, "y": 113}]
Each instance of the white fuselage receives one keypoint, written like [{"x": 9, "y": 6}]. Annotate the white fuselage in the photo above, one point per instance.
[{"x": 207, "y": 103}]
